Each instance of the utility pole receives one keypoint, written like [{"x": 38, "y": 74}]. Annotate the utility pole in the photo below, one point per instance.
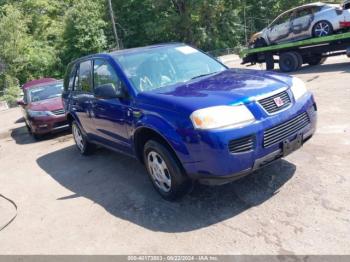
[
  {"x": 111, "y": 13},
  {"x": 245, "y": 24}
]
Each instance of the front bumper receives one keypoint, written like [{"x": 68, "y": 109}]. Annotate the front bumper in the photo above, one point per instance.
[
  {"x": 45, "y": 125},
  {"x": 215, "y": 164}
]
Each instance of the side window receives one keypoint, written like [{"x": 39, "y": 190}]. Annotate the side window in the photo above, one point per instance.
[
  {"x": 282, "y": 19},
  {"x": 72, "y": 78},
  {"x": 76, "y": 79},
  {"x": 84, "y": 81},
  {"x": 104, "y": 73},
  {"x": 303, "y": 12}
]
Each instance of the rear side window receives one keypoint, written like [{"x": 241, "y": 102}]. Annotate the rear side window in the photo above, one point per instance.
[
  {"x": 72, "y": 78},
  {"x": 84, "y": 81},
  {"x": 104, "y": 73}
]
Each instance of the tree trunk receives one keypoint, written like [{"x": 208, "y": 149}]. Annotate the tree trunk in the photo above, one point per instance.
[{"x": 111, "y": 13}]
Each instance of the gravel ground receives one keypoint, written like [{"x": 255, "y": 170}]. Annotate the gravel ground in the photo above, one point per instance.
[{"x": 104, "y": 204}]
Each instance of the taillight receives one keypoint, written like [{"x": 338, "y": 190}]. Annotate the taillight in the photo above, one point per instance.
[{"x": 344, "y": 24}]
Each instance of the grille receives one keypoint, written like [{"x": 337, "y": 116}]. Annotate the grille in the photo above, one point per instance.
[
  {"x": 58, "y": 112},
  {"x": 271, "y": 107},
  {"x": 283, "y": 131},
  {"x": 241, "y": 145}
]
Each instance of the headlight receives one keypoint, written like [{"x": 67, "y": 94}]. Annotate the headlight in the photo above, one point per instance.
[
  {"x": 33, "y": 113},
  {"x": 298, "y": 88},
  {"x": 221, "y": 117}
]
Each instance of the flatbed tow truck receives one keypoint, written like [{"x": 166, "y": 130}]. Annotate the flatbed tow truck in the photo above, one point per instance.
[{"x": 291, "y": 56}]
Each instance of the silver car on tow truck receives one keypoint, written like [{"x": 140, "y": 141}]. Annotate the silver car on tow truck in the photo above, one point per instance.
[{"x": 307, "y": 21}]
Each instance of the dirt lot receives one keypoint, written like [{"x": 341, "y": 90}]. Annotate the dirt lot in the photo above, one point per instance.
[{"x": 104, "y": 204}]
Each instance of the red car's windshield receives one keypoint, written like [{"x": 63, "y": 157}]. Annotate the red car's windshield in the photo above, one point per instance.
[{"x": 40, "y": 93}]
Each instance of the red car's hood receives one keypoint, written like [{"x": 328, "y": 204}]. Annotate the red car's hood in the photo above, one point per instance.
[{"x": 47, "y": 105}]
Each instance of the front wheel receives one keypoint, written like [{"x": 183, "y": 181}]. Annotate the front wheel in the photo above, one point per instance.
[
  {"x": 322, "y": 28},
  {"x": 165, "y": 171},
  {"x": 81, "y": 141},
  {"x": 260, "y": 42}
]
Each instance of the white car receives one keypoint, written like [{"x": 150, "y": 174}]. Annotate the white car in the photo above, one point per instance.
[{"x": 311, "y": 20}]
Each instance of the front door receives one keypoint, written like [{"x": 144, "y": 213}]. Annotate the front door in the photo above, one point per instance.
[
  {"x": 110, "y": 115},
  {"x": 280, "y": 30},
  {"x": 301, "y": 23},
  {"x": 82, "y": 97}
]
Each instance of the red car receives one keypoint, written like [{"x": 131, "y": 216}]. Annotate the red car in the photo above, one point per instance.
[{"x": 43, "y": 108}]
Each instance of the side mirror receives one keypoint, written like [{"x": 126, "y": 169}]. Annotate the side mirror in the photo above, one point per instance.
[
  {"x": 21, "y": 103},
  {"x": 108, "y": 91}
]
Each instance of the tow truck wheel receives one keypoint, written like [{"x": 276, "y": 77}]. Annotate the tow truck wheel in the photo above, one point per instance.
[
  {"x": 300, "y": 59},
  {"x": 288, "y": 62},
  {"x": 270, "y": 62}
]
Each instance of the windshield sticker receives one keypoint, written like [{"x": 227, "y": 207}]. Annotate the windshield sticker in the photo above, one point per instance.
[{"x": 186, "y": 50}]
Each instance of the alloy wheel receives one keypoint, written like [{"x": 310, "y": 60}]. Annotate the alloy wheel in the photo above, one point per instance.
[
  {"x": 78, "y": 137},
  {"x": 322, "y": 29},
  {"x": 159, "y": 171}
]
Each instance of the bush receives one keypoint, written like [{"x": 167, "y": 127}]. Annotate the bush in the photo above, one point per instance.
[{"x": 11, "y": 91}]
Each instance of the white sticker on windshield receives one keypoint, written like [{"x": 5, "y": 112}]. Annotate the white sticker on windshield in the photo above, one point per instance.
[{"x": 186, "y": 50}]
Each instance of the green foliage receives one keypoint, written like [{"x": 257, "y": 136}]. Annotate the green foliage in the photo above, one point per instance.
[
  {"x": 12, "y": 91},
  {"x": 38, "y": 38},
  {"x": 84, "y": 30}
]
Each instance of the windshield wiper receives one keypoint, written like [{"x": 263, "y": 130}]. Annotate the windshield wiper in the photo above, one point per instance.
[{"x": 203, "y": 75}]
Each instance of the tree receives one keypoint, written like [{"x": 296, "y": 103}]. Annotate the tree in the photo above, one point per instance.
[{"x": 84, "y": 30}]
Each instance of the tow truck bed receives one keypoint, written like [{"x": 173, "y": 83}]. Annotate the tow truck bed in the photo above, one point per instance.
[{"x": 291, "y": 56}]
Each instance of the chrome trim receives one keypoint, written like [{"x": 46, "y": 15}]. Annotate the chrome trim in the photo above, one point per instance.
[{"x": 272, "y": 94}]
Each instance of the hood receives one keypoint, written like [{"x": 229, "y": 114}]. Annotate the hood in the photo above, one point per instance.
[
  {"x": 47, "y": 105},
  {"x": 226, "y": 88}
]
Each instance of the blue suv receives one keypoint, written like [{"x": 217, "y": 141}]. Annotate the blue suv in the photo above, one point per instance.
[{"x": 185, "y": 115}]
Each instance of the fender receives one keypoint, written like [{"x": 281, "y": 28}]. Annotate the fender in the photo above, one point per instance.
[
  {"x": 168, "y": 132},
  {"x": 76, "y": 119}
]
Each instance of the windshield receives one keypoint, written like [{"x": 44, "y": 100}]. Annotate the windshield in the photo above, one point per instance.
[
  {"x": 160, "y": 67},
  {"x": 40, "y": 93}
]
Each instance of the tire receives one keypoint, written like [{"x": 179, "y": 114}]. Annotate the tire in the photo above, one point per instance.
[
  {"x": 28, "y": 129},
  {"x": 288, "y": 62},
  {"x": 165, "y": 171},
  {"x": 37, "y": 137},
  {"x": 322, "y": 28},
  {"x": 270, "y": 62},
  {"x": 316, "y": 60},
  {"x": 260, "y": 42},
  {"x": 300, "y": 60},
  {"x": 84, "y": 146}
]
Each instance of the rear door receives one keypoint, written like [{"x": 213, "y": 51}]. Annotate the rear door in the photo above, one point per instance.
[
  {"x": 110, "y": 115},
  {"x": 82, "y": 96}
]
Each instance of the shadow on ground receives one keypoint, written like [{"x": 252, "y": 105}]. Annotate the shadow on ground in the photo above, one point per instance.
[
  {"x": 326, "y": 68},
  {"x": 23, "y": 137},
  {"x": 120, "y": 185},
  {"x": 20, "y": 120}
]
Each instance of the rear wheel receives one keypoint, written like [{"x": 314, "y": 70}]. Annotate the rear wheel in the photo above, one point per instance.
[
  {"x": 288, "y": 62},
  {"x": 81, "y": 141},
  {"x": 322, "y": 28},
  {"x": 300, "y": 59},
  {"x": 165, "y": 171}
]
